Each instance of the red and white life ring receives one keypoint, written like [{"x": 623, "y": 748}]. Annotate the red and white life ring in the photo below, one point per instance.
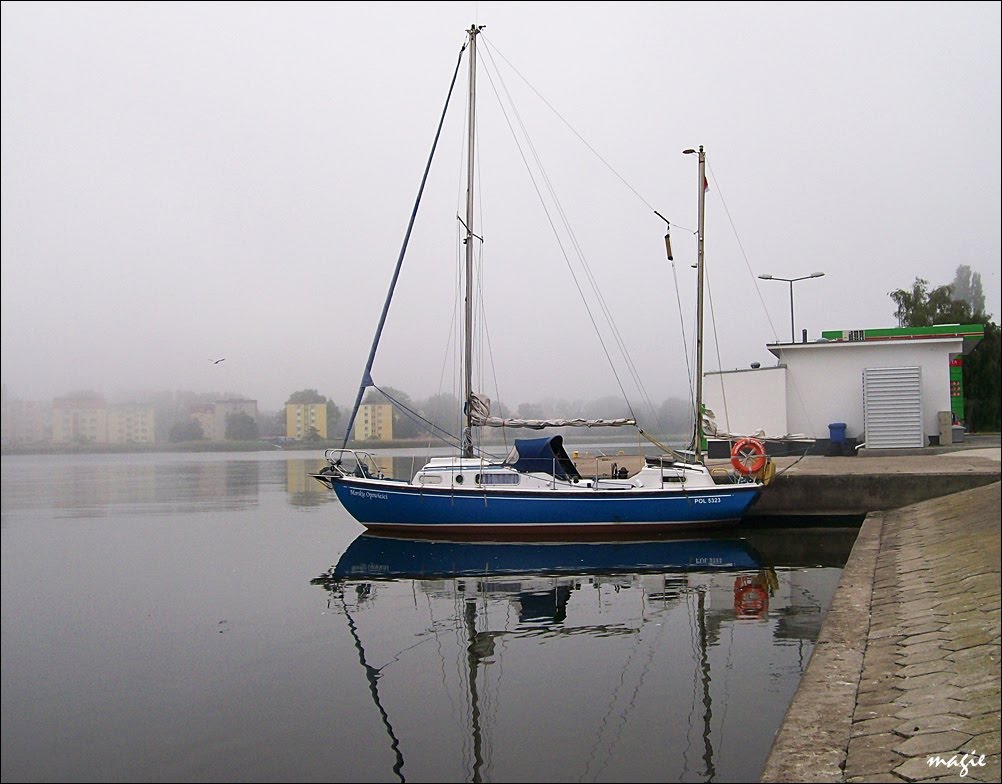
[{"x": 748, "y": 456}]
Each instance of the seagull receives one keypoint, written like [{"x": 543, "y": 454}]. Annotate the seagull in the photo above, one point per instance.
[{"x": 217, "y": 361}]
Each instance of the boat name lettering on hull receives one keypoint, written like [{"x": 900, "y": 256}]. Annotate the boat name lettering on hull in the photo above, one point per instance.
[
  {"x": 367, "y": 494},
  {"x": 711, "y": 500}
]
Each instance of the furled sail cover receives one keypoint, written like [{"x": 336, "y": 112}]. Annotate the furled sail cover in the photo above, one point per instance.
[
  {"x": 482, "y": 418},
  {"x": 544, "y": 454}
]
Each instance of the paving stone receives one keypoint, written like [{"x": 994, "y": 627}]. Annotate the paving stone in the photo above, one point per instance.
[
  {"x": 924, "y": 627},
  {"x": 878, "y": 726},
  {"x": 871, "y": 764},
  {"x": 978, "y": 653},
  {"x": 879, "y": 696},
  {"x": 931, "y": 708},
  {"x": 885, "y": 681},
  {"x": 933, "y": 743},
  {"x": 982, "y": 723},
  {"x": 925, "y": 682},
  {"x": 978, "y": 706},
  {"x": 991, "y": 771},
  {"x": 987, "y": 743},
  {"x": 968, "y": 641},
  {"x": 933, "y": 694},
  {"x": 937, "y": 723},
  {"x": 966, "y": 628},
  {"x": 975, "y": 680},
  {"x": 928, "y": 637},
  {"x": 949, "y": 765},
  {"x": 868, "y": 712},
  {"x": 924, "y": 668},
  {"x": 886, "y": 658}
]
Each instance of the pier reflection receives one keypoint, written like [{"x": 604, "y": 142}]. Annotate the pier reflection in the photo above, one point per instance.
[{"x": 561, "y": 660}]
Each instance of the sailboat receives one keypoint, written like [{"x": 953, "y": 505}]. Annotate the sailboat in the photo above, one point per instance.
[{"x": 538, "y": 488}]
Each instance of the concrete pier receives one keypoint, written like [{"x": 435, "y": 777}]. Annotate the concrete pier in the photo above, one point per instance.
[
  {"x": 858, "y": 485},
  {"x": 904, "y": 682}
]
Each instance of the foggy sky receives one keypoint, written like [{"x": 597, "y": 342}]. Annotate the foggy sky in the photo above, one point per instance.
[{"x": 188, "y": 181}]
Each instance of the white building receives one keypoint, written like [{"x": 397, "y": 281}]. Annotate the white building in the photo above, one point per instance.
[{"x": 889, "y": 387}]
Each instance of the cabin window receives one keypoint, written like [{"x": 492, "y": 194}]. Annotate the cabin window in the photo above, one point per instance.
[
  {"x": 498, "y": 479},
  {"x": 459, "y": 479},
  {"x": 427, "y": 479}
]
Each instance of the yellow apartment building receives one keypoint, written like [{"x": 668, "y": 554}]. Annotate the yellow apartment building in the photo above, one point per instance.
[
  {"x": 303, "y": 418},
  {"x": 79, "y": 420},
  {"x": 130, "y": 424},
  {"x": 374, "y": 422}
]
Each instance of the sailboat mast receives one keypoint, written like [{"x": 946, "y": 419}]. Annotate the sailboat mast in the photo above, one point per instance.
[
  {"x": 468, "y": 325},
  {"x": 699, "y": 306}
]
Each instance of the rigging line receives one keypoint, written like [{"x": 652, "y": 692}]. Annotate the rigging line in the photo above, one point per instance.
[
  {"x": 607, "y": 719},
  {"x": 596, "y": 289},
  {"x": 490, "y": 355},
  {"x": 716, "y": 345},
  {"x": 579, "y": 136},
  {"x": 567, "y": 228},
  {"x": 372, "y": 676},
  {"x": 685, "y": 344},
  {"x": 435, "y": 625},
  {"x": 694, "y": 649},
  {"x": 758, "y": 290},
  {"x": 741, "y": 247},
  {"x": 366, "y": 374},
  {"x": 453, "y": 327},
  {"x": 728, "y": 671},
  {"x": 631, "y": 700},
  {"x": 442, "y": 435},
  {"x": 482, "y": 323}
]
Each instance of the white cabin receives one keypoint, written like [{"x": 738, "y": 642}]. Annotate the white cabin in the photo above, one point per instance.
[{"x": 901, "y": 382}]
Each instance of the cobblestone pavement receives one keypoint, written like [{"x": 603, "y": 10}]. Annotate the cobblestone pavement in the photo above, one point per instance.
[{"x": 904, "y": 684}]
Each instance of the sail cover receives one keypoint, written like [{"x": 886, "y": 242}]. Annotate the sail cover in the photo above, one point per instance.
[
  {"x": 482, "y": 418},
  {"x": 544, "y": 454}
]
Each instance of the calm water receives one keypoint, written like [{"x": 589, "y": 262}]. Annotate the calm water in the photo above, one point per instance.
[{"x": 219, "y": 617}]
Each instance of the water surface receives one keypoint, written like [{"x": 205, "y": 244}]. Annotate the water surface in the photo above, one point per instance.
[{"x": 218, "y": 617}]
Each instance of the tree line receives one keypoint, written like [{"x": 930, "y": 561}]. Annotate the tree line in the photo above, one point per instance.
[{"x": 961, "y": 302}]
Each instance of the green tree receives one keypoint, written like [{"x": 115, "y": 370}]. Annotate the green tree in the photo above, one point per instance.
[
  {"x": 922, "y": 307},
  {"x": 967, "y": 287},
  {"x": 312, "y": 396},
  {"x": 306, "y": 396},
  {"x": 404, "y": 424},
  {"x": 240, "y": 427},
  {"x": 188, "y": 430},
  {"x": 333, "y": 416},
  {"x": 443, "y": 411}
]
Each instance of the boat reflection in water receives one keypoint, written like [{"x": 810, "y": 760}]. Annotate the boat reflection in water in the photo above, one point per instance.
[{"x": 555, "y": 661}]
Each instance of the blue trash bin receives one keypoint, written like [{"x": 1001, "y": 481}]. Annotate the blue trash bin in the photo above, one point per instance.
[{"x": 836, "y": 432}]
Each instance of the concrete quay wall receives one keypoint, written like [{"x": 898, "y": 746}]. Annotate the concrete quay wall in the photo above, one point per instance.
[
  {"x": 905, "y": 677},
  {"x": 857, "y": 485}
]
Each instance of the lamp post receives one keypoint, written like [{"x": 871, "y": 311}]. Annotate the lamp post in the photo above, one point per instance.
[{"x": 791, "y": 281}]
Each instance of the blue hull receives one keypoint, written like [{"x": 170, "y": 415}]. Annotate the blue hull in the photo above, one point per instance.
[
  {"x": 377, "y": 557},
  {"x": 404, "y": 507}
]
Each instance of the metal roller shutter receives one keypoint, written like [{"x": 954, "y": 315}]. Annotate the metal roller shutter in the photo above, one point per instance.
[{"x": 892, "y": 407}]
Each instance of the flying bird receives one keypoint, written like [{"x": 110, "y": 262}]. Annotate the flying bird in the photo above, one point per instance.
[{"x": 217, "y": 361}]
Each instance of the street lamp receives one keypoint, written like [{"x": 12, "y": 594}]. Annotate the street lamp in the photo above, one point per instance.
[{"x": 791, "y": 281}]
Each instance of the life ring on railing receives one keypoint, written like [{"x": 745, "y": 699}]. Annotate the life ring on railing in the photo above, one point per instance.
[{"x": 748, "y": 456}]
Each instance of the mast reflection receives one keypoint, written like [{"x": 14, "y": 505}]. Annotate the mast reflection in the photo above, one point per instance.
[{"x": 487, "y": 601}]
